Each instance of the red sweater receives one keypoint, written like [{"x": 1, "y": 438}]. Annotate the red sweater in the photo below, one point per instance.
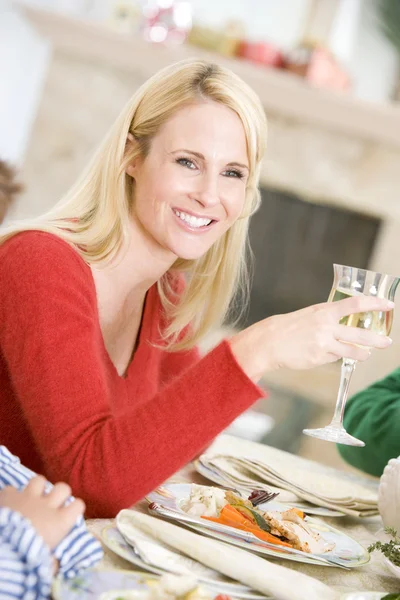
[{"x": 66, "y": 412}]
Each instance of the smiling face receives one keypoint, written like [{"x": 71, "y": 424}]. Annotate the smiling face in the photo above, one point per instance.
[{"x": 191, "y": 186}]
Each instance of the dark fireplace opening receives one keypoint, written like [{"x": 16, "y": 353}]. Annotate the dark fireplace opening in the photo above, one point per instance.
[{"x": 295, "y": 244}]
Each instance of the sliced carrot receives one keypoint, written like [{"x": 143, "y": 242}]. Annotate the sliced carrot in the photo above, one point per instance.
[
  {"x": 251, "y": 528},
  {"x": 232, "y": 513}
]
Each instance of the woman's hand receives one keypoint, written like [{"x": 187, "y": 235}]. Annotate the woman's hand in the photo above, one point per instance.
[
  {"x": 308, "y": 337},
  {"x": 47, "y": 513}
]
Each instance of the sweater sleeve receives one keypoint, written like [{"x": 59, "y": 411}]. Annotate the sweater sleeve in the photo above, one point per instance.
[
  {"x": 49, "y": 337},
  {"x": 26, "y": 565},
  {"x": 373, "y": 415}
]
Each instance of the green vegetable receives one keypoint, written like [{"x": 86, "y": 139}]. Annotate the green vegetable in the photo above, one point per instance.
[
  {"x": 391, "y": 550},
  {"x": 391, "y": 597},
  {"x": 254, "y": 516},
  {"x": 248, "y": 510}
]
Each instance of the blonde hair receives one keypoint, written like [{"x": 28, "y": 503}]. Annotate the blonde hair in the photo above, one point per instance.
[
  {"x": 94, "y": 215},
  {"x": 9, "y": 187}
]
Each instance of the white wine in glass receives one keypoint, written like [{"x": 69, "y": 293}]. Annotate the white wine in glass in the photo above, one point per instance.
[
  {"x": 350, "y": 281},
  {"x": 377, "y": 321}
]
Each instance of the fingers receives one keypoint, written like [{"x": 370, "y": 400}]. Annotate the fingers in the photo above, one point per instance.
[
  {"x": 73, "y": 511},
  {"x": 58, "y": 495},
  {"x": 361, "y": 303},
  {"x": 363, "y": 337},
  {"x": 7, "y": 494},
  {"x": 36, "y": 486},
  {"x": 358, "y": 353}
]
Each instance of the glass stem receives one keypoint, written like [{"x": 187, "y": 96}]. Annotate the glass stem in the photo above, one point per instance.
[{"x": 348, "y": 366}]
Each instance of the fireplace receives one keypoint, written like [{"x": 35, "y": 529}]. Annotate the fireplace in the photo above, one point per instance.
[{"x": 295, "y": 243}]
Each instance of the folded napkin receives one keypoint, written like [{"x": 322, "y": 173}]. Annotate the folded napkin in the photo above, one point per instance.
[
  {"x": 234, "y": 462},
  {"x": 304, "y": 479},
  {"x": 163, "y": 557},
  {"x": 253, "y": 571}
]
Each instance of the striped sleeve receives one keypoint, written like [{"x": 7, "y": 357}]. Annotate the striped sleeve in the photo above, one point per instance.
[
  {"x": 78, "y": 550},
  {"x": 26, "y": 566}
]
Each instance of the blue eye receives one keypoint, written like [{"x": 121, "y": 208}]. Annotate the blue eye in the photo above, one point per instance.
[
  {"x": 234, "y": 173},
  {"x": 186, "y": 162}
]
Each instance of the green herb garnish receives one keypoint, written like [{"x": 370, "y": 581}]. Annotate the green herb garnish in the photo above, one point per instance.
[
  {"x": 394, "y": 596},
  {"x": 390, "y": 549}
]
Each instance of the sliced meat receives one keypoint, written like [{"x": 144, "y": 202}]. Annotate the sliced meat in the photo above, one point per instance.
[{"x": 289, "y": 525}]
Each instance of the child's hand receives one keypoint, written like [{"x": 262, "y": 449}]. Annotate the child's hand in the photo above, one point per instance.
[{"x": 47, "y": 514}]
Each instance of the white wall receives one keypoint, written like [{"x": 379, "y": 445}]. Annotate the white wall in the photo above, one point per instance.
[
  {"x": 24, "y": 58},
  {"x": 279, "y": 21},
  {"x": 374, "y": 64},
  {"x": 97, "y": 10}
]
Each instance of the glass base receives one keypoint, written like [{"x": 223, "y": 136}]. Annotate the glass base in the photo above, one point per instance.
[{"x": 333, "y": 433}]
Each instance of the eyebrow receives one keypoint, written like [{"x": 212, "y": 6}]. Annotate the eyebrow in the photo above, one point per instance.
[{"x": 202, "y": 157}]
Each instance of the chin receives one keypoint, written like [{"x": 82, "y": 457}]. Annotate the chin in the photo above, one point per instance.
[
  {"x": 185, "y": 252},
  {"x": 189, "y": 255}
]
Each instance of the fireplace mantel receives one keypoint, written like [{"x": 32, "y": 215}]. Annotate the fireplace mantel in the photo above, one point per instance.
[{"x": 280, "y": 92}]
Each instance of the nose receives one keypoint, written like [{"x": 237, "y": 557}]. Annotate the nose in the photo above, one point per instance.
[{"x": 206, "y": 192}]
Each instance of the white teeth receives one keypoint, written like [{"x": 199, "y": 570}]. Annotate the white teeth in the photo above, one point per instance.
[{"x": 191, "y": 220}]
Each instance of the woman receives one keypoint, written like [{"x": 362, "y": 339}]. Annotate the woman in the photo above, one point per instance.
[{"x": 101, "y": 383}]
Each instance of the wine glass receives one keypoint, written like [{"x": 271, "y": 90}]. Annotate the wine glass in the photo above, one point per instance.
[{"x": 350, "y": 281}]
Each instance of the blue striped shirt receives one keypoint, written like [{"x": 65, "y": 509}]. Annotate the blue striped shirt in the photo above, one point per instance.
[
  {"x": 25, "y": 561},
  {"x": 26, "y": 566}
]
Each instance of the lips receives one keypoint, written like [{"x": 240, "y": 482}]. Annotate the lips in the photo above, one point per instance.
[{"x": 193, "y": 221}]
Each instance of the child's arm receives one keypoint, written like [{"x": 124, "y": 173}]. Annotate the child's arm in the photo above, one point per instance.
[
  {"x": 26, "y": 564},
  {"x": 78, "y": 549}
]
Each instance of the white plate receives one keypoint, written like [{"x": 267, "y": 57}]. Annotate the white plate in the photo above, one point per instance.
[
  {"x": 113, "y": 539},
  {"x": 109, "y": 584},
  {"x": 364, "y": 596},
  {"x": 93, "y": 583},
  {"x": 393, "y": 568},
  {"x": 347, "y": 552}
]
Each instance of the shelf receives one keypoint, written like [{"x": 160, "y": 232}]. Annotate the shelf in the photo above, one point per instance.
[{"x": 281, "y": 93}]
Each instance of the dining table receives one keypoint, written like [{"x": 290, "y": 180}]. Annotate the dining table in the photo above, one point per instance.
[{"x": 373, "y": 576}]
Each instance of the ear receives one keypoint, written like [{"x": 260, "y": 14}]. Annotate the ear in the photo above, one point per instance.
[{"x": 129, "y": 146}]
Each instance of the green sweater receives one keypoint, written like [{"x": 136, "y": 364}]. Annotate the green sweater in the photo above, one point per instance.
[{"x": 373, "y": 416}]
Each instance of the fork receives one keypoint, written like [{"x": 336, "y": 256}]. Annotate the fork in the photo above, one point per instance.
[
  {"x": 138, "y": 551},
  {"x": 258, "y": 497}
]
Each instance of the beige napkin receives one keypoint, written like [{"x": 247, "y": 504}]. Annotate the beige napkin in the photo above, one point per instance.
[
  {"x": 254, "y": 571},
  {"x": 161, "y": 556},
  {"x": 241, "y": 461},
  {"x": 315, "y": 487}
]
